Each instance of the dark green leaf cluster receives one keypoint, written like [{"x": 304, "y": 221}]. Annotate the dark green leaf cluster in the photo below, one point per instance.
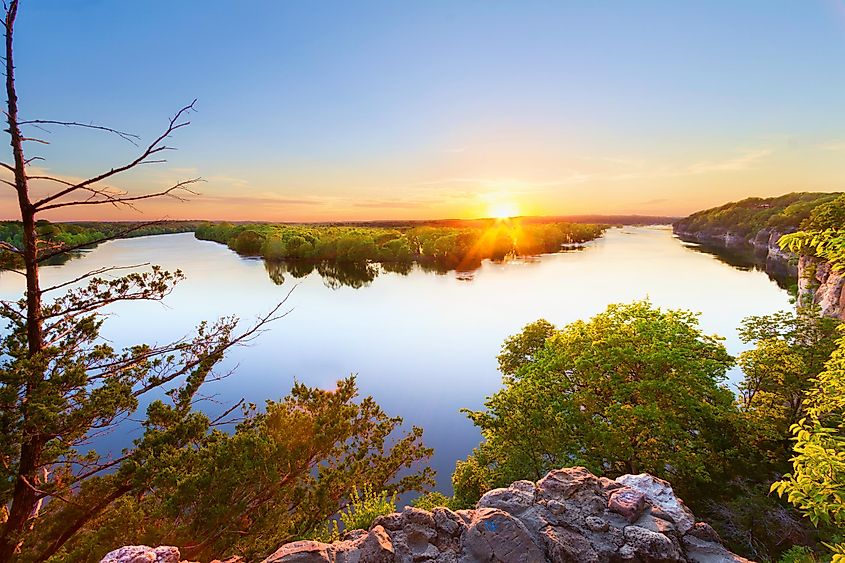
[{"x": 790, "y": 351}]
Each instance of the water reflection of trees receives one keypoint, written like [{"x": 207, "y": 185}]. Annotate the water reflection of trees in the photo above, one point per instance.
[
  {"x": 750, "y": 258},
  {"x": 347, "y": 274},
  {"x": 336, "y": 273}
]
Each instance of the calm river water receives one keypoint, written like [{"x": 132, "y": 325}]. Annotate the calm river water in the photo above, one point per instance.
[{"x": 424, "y": 345}]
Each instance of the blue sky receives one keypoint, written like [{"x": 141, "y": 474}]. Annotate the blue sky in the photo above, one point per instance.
[{"x": 364, "y": 110}]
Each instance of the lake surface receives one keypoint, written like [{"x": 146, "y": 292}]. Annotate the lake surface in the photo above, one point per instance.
[{"x": 423, "y": 344}]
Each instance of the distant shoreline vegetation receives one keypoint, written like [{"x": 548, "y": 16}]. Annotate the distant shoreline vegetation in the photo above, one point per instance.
[
  {"x": 746, "y": 218},
  {"x": 745, "y": 234},
  {"x": 72, "y": 238},
  {"x": 340, "y": 251}
]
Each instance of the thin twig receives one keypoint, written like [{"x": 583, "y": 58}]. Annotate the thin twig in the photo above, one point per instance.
[{"x": 122, "y": 134}]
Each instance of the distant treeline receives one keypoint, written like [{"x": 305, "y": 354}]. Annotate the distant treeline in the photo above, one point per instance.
[
  {"x": 76, "y": 236},
  {"x": 748, "y": 217},
  {"x": 456, "y": 247},
  {"x": 487, "y": 222}
]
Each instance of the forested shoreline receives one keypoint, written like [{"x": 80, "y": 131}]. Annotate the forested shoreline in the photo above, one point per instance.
[
  {"x": 743, "y": 220},
  {"x": 446, "y": 247},
  {"x": 64, "y": 239}
]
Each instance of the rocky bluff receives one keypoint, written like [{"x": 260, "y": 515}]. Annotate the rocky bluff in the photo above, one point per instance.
[
  {"x": 568, "y": 516},
  {"x": 817, "y": 282}
]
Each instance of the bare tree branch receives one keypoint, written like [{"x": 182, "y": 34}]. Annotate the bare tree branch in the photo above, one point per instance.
[
  {"x": 122, "y": 134},
  {"x": 120, "y": 200},
  {"x": 8, "y": 246},
  {"x": 244, "y": 337},
  {"x": 92, "y": 273},
  {"x": 220, "y": 419},
  {"x": 153, "y": 148}
]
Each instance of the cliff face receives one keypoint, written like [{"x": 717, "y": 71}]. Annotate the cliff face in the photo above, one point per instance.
[
  {"x": 568, "y": 516},
  {"x": 818, "y": 284},
  {"x": 763, "y": 245}
]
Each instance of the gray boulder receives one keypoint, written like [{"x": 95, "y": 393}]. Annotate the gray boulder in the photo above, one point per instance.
[
  {"x": 568, "y": 516},
  {"x": 142, "y": 554}
]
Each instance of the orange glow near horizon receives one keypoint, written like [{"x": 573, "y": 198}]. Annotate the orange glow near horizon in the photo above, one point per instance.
[{"x": 503, "y": 210}]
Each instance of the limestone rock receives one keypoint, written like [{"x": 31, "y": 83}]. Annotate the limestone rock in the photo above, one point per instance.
[
  {"x": 142, "y": 554},
  {"x": 627, "y": 502},
  {"x": 301, "y": 552},
  {"x": 820, "y": 284},
  {"x": 495, "y": 535},
  {"x": 659, "y": 494},
  {"x": 702, "y": 551},
  {"x": 568, "y": 546},
  {"x": 651, "y": 546},
  {"x": 568, "y": 516},
  {"x": 512, "y": 500},
  {"x": 447, "y": 521},
  {"x": 565, "y": 483}
]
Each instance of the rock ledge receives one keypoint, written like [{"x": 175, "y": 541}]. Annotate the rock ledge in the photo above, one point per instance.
[{"x": 568, "y": 516}]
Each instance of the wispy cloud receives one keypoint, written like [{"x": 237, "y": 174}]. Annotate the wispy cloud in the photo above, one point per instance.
[
  {"x": 229, "y": 181},
  {"x": 263, "y": 198},
  {"x": 743, "y": 161}
]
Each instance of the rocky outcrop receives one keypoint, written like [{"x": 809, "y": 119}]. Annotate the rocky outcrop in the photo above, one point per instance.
[
  {"x": 569, "y": 516},
  {"x": 761, "y": 248},
  {"x": 820, "y": 285},
  {"x": 145, "y": 554},
  {"x": 142, "y": 554},
  {"x": 817, "y": 283}
]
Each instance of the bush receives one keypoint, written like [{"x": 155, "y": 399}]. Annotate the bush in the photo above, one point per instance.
[
  {"x": 798, "y": 554},
  {"x": 359, "y": 514},
  {"x": 430, "y": 501}
]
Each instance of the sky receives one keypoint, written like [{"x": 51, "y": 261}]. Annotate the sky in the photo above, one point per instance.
[{"x": 316, "y": 110}]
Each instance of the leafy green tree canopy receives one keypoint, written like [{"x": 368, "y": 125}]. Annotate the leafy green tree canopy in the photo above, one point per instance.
[
  {"x": 790, "y": 351},
  {"x": 633, "y": 389}
]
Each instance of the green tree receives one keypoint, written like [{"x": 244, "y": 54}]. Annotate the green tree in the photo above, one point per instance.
[
  {"x": 249, "y": 243},
  {"x": 523, "y": 348},
  {"x": 279, "y": 477},
  {"x": 633, "y": 389},
  {"x": 790, "y": 351},
  {"x": 816, "y": 485}
]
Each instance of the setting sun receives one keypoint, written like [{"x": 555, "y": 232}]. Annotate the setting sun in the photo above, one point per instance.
[{"x": 503, "y": 210}]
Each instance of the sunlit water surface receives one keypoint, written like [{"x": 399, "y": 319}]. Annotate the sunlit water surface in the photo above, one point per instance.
[{"x": 424, "y": 345}]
